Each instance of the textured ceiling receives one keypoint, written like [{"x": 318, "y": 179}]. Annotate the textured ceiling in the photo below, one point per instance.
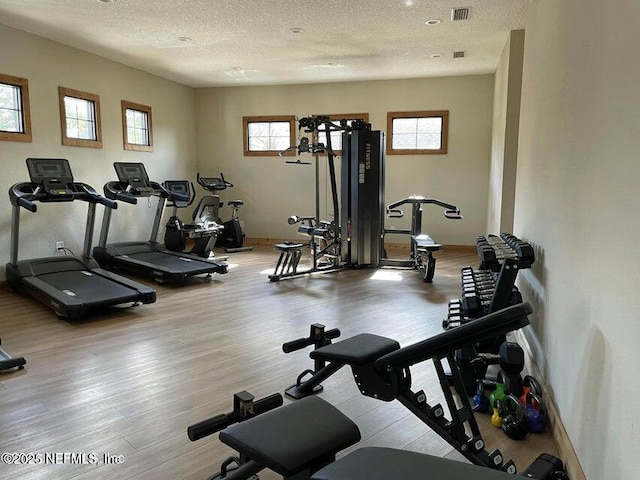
[{"x": 249, "y": 42}]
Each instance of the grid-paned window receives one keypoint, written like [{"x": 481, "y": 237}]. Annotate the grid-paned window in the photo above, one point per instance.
[
  {"x": 417, "y": 132},
  {"x": 336, "y": 136},
  {"x": 15, "y": 118},
  {"x": 137, "y": 127},
  {"x": 80, "y": 118},
  {"x": 268, "y": 135}
]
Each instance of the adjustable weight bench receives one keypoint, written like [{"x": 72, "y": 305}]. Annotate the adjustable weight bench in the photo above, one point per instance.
[{"x": 381, "y": 370}]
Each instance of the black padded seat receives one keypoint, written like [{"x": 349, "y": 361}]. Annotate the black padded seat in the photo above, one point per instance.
[
  {"x": 293, "y": 438},
  {"x": 235, "y": 203},
  {"x": 425, "y": 242},
  {"x": 362, "y": 349},
  {"x": 374, "y": 463}
]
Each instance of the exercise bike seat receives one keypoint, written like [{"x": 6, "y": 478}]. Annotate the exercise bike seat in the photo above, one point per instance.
[
  {"x": 235, "y": 203},
  {"x": 361, "y": 349},
  {"x": 377, "y": 463}
]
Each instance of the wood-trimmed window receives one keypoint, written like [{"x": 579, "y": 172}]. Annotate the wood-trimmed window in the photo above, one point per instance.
[
  {"x": 268, "y": 135},
  {"x": 336, "y": 137},
  {"x": 417, "y": 133},
  {"x": 137, "y": 130},
  {"x": 80, "y": 118},
  {"x": 15, "y": 112}
]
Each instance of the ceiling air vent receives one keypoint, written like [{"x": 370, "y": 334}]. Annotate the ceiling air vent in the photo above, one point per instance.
[
  {"x": 460, "y": 13},
  {"x": 459, "y": 54}
]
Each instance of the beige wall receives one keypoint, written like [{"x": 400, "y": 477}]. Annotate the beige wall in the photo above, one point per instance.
[
  {"x": 504, "y": 145},
  {"x": 273, "y": 190},
  {"x": 577, "y": 201},
  {"x": 48, "y": 65}
]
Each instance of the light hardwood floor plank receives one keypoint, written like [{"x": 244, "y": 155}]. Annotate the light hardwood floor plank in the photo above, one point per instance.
[{"x": 129, "y": 381}]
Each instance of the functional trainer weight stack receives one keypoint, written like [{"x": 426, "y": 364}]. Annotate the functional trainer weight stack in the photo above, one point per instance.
[{"x": 363, "y": 198}]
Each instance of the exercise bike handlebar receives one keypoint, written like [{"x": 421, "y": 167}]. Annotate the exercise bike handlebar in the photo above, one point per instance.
[
  {"x": 220, "y": 422},
  {"x": 213, "y": 184},
  {"x": 301, "y": 343}
]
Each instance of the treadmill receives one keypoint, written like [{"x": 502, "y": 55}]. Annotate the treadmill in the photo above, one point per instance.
[
  {"x": 73, "y": 286},
  {"x": 7, "y": 362},
  {"x": 149, "y": 258}
]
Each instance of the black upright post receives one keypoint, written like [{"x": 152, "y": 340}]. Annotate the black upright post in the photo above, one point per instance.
[{"x": 362, "y": 197}]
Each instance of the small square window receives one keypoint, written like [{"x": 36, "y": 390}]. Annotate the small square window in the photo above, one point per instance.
[
  {"x": 137, "y": 127},
  {"x": 80, "y": 118},
  {"x": 414, "y": 133},
  {"x": 15, "y": 117},
  {"x": 267, "y": 136}
]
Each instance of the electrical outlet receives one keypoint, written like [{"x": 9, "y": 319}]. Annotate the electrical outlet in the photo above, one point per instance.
[{"x": 60, "y": 245}]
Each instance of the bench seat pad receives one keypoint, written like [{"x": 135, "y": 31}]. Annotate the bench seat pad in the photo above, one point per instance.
[
  {"x": 361, "y": 349},
  {"x": 289, "y": 439},
  {"x": 373, "y": 463}
]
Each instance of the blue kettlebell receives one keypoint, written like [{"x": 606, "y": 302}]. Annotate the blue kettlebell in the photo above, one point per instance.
[
  {"x": 480, "y": 401},
  {"x": 535, "y": 412}
]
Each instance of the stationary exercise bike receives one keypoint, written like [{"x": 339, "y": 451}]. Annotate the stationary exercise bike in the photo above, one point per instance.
[
  {"x": 231, "y": 238},
  {"x": 203, "y": 229}
]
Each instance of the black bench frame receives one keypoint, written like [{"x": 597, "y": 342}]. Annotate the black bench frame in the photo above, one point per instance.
[{"x": 387, "y": 377}]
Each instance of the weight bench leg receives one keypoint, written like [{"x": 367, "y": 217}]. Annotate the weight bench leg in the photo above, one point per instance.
[{"x": 311, "y": 386}]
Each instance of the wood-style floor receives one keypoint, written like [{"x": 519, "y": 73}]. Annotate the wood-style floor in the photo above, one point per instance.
[{"x": 129, "y": 382}]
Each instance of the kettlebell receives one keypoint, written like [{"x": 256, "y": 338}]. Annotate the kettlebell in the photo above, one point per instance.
[
  {"x": 496, "y": 418},
  {"x": 530, "y": 384},
  {"x": 515, "y": 423},
  {"x": 536, "y": 413},
  {"x": 480, "y": 401},
  {"x": 502, "y": 388}
]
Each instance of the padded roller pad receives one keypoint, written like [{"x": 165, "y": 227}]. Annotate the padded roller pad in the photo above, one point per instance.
[
  {"x": 373, "y": 463},
  {"x": 291, "y": 438},
  {"x": 362, "y": 349}
]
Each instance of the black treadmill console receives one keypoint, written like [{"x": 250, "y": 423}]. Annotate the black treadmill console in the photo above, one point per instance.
[
  {"x": 134, "y": 176},
  {"x": 53, "y": 175}
]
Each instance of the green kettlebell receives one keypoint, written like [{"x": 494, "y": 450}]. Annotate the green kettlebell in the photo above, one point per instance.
[{"x": 502, "y": 389}]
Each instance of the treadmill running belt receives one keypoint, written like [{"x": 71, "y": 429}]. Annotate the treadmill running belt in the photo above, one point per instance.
[
  {"x": 89, "y": 288},
  {"x": 173, "y": 262}
]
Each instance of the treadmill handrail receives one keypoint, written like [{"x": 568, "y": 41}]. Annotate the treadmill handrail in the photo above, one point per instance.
[
  {"x": 23, "y": 202},
  {"x": 117, "y": 190},
  {"x": 500, "y": 322},
  {"x": 24, "y": 195}
]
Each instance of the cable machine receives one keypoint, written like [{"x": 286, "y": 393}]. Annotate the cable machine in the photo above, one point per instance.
[{"x": 354, "y": 237}]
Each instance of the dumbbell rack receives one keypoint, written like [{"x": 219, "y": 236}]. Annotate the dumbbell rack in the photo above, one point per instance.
[{"x": 492, "y": 286}]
